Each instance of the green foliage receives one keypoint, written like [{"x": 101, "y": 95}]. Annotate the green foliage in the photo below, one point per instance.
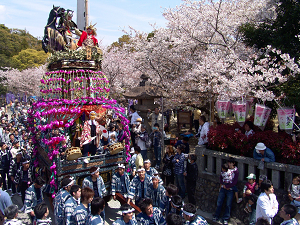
[
  {"x": 281, "y": 33},
  {"x": 124, "y": 39},
  {"x": 12, "y": 42},
  {"x": 29, "y": 58},
  {"x": 75, "y": 54}
]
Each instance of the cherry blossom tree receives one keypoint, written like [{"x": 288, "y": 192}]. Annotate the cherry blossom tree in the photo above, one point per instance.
[
  {"x": 200, "y": 55},
  {"x": 25, "y": 81}
]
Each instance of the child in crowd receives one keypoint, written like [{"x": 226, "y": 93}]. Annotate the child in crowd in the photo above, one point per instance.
[
  {"x": 250, "y": 185},
  {"x": 191, "y": 176},
  {"x": 294, "y": 192},
  {"x": 232, "y": 167}
]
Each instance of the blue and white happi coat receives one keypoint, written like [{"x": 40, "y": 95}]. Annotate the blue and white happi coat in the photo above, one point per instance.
[
  {"x": 143, "y": 219},
  {"x": 43, "y": 222},
  {"x": 59, "y": 204},
  {"x": 31, "y": 198},
  {"x": 70, "y": 207},
  {"x": 116, "y": 185},
  {"x": 82, "y": 214},
  {"x": 199, "y": 220},
  {"x": 122, "y": 222},
  {"x": 95, "y": 220},
  {"x": 87, "y": 182},
  {"x": 161, "y": 191},
  {"x": 135, "y": 189}
]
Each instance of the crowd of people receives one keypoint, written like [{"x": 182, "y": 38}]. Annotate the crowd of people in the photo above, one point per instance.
[
  {"x": 148, "y": 194},
  {"x": 159, "y": 200}
]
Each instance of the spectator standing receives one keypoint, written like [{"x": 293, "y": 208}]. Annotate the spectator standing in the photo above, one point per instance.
[
  {"x": 134, "y": 116},
  {"x": 156, "y": 117},
  {"x": 235, "y": 174},
  {"x": 228, "y": 179},
  {"x": 139, "y": 162},
  {"x": 178, "y": 162},
  {"x": 156, "y": 137},
  {"x": 191, "y": 176},
  {"x": 141, "y": 140},
  {"x": 203, "y": 131},
  {"x": 185, "y": 142},
  {"x": 267, "y": 205},
  {"x": 168, "y": 171}
]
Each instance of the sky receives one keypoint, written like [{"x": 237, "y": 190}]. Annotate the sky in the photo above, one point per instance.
[{"x": 111, "y": 16}]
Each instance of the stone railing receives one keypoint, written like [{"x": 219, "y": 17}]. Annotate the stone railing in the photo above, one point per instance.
[
  {"x": 210, "y": 163},
  {"x": 209, "y": 168}
]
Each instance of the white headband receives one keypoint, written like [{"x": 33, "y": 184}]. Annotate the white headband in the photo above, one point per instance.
[
  {"x": 155, "y": 176},
  {"x": 27, "y": 161},
  {"x": 128, "y": 211},
  {"x": 141, "y": 169},
  {"x": 187, "y": 213},
  {"x": 97, "y": 170},
  {"x": 147, "y": 161},
  {"x": 121, "y": 166},
  {"x": 71, "y": 183},
  {"x": 177, "y": 206}
]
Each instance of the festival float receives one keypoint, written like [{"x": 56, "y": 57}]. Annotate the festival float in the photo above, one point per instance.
[{"x": 70, "y": 119}]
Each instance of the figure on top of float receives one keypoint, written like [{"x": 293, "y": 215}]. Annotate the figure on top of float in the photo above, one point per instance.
[
  {"x": 87, "y": 38},
  {"x": 66, "y": 25}
]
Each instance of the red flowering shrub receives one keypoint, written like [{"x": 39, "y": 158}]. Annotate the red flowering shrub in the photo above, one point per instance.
[{"x": 226, "y": 138}]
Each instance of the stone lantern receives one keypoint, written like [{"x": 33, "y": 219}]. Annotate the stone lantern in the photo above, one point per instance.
[{"x": 145, "y": 93}]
